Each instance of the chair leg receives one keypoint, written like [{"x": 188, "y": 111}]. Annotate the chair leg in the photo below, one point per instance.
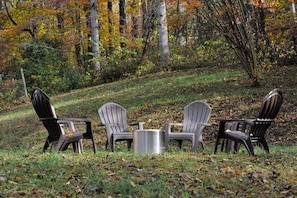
[
  {"x": 223, "y": 145},
  {"x": 236, "y": 146},
  {"x": 81, "y": 146},
  {"x": 106, "y": 144},
  {"x": 129, "y": 144},
  {"x": 46, "y": 144},
  {"x": 166, "y": 142},
  {"x": 109, "y": 139},
  {"x": 112, "y": 145},
  {"x": 216, "y": 146},
  {"x": 194, "y": 146},
  {"x": 228, "y": 146},
  {"x": 264, "y": 144},
  {"x": 78, "y": 146},
  {"x": 180, "y": 142},
  {"x": 248, "y": 145},
  {"x": 202, "y": 144},
  {"x": 94, "y": 146}
]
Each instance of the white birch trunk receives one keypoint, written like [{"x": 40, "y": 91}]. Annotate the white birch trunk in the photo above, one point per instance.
[
  {"x": 294, "y": 11},
  {"x": 163, "y": 35},
  {"x": 95, "y": 33}
]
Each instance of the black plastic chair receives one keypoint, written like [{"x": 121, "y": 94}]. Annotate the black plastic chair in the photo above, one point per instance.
[
  {"x": 255, "y": 128},
  {"x": 56, "y": 135}
]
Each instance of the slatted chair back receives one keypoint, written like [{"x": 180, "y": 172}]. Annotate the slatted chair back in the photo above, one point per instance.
[
  {"x": 46, "y": 114},
  {"x": 271, "y": 105},
  {"x": 115, "y": 116},
  {"x": 114, "y": 119},
  {"x": 196, "y": 115}
]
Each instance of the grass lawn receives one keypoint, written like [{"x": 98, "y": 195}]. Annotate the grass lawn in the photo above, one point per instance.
[{"x": 27, "y": 172}]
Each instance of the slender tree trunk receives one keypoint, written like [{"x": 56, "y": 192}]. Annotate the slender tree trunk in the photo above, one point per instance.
[
  {"x": 79, "y": 49},
  {"x": 148, "y": 24},
  {"x": 163, "y": 35},
  {"x": 95, "y": 33},
  {"x": 135, "y": 30},
  {"x": 294, "y": 11},
  {"x": 123, "y": 19},
  {"x": 110, "y": 27}
]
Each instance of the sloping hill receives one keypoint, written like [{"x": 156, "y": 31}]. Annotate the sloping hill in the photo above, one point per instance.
[{"x": 161, "y": 97}]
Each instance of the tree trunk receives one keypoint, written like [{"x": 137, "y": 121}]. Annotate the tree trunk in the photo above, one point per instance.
[
  {"x": 95, "y": 33},
  {"x": 123, "y": 22},
  {"x": 135, "y": 25},
  {"x": 110, "y": 27},
  {"x": 148, "y": 24},
  {"x": 163, "y": 35}
]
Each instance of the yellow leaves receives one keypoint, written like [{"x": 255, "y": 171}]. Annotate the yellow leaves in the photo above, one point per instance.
[
  {"x": 226, "y": 169},
  {"x": 132, "y": 184},
  {"x": 12, "y": 182},
  {"x": 42, "y": 30}
]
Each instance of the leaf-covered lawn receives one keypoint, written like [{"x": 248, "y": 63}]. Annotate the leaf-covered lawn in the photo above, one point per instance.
[{"x": 171, "y": 174}]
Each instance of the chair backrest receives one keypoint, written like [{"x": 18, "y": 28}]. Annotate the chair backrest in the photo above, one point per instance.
[
  {"x": 115, "y": 116},
  {"x": 46, "y": 113},
  {"x": 196, "y": 114},
  {"x": 271, "y": 105}
]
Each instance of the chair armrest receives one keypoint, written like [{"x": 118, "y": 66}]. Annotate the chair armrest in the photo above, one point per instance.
[
  {"x": 223, "y": 123},
  {"x": 174, "y": 124},
  {"x": 73, "y": 124},
  {"x": 205, "y": 124},
  {"x": 75, "y": 120},
  {"x": 168, "y": 126},
  {"x": 231, "y": 120},
  {"x": 139, "y": 124},
  {"x": 110, "y": 125},
  {"x": 250, "y": 122}
]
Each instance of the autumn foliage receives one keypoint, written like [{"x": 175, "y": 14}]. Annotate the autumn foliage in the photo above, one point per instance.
[{"x": 129, "y": 45}]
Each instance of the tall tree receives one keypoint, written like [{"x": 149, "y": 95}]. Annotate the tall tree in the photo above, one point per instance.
[
  {"x": 123, "y": 19},
  {"x": 239, "y": 22},
  {"x": 110, "y": 26},
  {"x": 163, "y": 35},
  {"x": 95, "y": 33},
  {"x": 148, "y": 24}
]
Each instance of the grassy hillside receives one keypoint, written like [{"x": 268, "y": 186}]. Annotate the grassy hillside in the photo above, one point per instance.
[
  {"x": 159, "y": 98},
  {"x": 155, "y": 99}
]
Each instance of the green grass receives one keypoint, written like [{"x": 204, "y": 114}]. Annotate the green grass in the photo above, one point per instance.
[
  {"x": 124, "y": 174},
  {"x": 27, "y": 172}
]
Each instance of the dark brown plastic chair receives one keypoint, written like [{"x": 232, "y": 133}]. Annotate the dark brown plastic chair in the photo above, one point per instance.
[
  {"x": 255, "y": 128},
  {"x": 56, "y": 135},
  {"x": 114, "y": 119},
  {"x": 196, "y": 116}
]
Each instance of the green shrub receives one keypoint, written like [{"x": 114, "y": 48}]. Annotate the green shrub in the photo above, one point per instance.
[
  {"x": 121, "y": 64},
  {"x": 47, "y": 66},
  {"x": 210, "y": 53}
]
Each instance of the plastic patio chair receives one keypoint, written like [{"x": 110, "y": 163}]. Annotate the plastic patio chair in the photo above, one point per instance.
[
  {"x": 57, "y": 137},
  {"x": 114, "y": 120},
  {"x": 196, "y": 116},
  {"x": 255, "y": 128}
]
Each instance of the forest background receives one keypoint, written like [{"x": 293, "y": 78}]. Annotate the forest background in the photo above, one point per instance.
[{"x": 60, "y": 48}]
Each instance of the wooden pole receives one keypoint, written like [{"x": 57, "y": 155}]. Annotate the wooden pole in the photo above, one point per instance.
[{"x": 24, "y": 83}]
